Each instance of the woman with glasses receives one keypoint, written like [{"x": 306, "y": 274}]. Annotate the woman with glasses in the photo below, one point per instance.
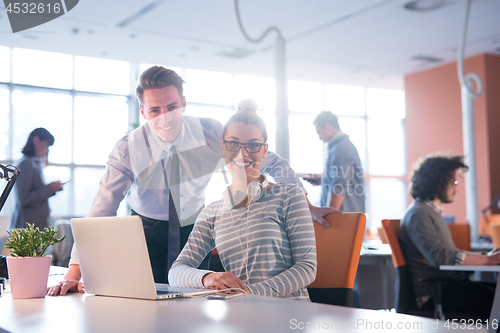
[{"x": 263, "y": 232}]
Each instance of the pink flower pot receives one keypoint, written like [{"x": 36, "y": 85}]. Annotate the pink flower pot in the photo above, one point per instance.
[{"x": 28, "y": 276}]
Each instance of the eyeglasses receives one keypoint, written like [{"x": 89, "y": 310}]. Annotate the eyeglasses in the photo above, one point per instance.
[{"x": 235, "y": 146}]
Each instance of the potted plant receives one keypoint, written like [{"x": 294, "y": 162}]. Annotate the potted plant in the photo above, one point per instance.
[{"x": 29, "y": 264}]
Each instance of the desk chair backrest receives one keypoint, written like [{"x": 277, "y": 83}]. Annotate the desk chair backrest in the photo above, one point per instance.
[
  {"x": 495, "y": 233},
  {"x": 338, "y": 248},
  {"x": 460, "y": 232},
  {"x": 484, "y": 229},
  {"x": 382, "y": 236},
  {"x": 390, "y": 229},
  {"x": 404, "y": 299}
]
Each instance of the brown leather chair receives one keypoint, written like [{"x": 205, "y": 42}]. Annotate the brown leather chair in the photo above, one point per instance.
[
  {"x": 338, "y": 248},
  {"x": 460, "y": 232}
]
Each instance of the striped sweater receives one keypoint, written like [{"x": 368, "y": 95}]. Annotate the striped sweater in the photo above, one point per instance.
[{"x": 269, "y": 244}]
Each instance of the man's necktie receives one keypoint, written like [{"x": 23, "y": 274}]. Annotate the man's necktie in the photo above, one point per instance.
[{"x": 174, "y": 227}]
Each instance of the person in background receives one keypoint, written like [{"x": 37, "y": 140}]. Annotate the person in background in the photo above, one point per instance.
[
  {"x": 31, "y": 194},
  {"x": 144, "y": 161},
  {"x": 342, "y": 180},
  {"x": 263, "y": 232},
  {"x": 426, "y": 240}
]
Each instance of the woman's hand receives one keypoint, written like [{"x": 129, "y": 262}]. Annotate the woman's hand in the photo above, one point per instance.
[
  {"x": 56, "y": 186},
  {"x": 72, "y": 286},
  {"x": 222, "y": 281}
]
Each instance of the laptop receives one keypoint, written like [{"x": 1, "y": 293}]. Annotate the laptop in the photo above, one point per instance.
[{"x": 114, "y": 260}]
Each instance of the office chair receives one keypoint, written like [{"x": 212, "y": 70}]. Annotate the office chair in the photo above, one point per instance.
[
  {"x": 405, "y": 298},
  {"x": 338, "y": 248},
  {"x": 495, "y": 233},
  {"x": 486, "y": 220},
  {"x": 460, "y": 232},
  {"x": 382, "y": 236}
]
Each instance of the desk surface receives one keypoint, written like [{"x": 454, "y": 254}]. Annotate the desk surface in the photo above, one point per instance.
[
  {"x": 489, "y": 268},
  {"x": 375, "y": 250},
  {"x": 495, "y": 309},
  {"x": 249, "y": 313}
]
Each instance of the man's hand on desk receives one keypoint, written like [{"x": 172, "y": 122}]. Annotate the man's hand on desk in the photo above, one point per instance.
[
  {"x": 222, "y": 281},
  {"x": 493, "y": 257},
  {"x": 478, "y": 259},
  {"x": 65, "y": 286}
]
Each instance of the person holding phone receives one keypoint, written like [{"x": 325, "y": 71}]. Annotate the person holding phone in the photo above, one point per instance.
[
  {"x": 31, "y": 194},
  {"x": 263, "y": 232}
]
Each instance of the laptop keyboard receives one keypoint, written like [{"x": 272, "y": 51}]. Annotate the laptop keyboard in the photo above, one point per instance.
[{"x": 165, "y": 292}]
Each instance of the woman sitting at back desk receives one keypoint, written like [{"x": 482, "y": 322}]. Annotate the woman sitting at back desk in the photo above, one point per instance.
[{"x": 263, "y": 232}]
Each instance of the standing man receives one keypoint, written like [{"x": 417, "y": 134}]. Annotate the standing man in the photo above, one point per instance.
[
  {"x": 342, "y": 181},
  {"x": 426, "y": 240},
  {"x": 167, "y": 164}
]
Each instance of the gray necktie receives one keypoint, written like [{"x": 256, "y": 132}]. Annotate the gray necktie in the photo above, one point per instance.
[{"x": 174, "y": 228}]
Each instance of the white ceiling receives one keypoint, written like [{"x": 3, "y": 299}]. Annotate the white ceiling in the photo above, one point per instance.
[{"x": 362, "y": 42}]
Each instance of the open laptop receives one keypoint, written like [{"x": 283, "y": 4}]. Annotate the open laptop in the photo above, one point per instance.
[{"x": 114, "y": 260}]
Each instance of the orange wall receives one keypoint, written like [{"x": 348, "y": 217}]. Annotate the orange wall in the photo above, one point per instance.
[
  {"x": 434, "y": 123},
  {"x": 492, "y": 79}
]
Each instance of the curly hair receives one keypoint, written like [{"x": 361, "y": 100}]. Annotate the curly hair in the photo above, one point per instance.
[{"x": 433, "y": 174}]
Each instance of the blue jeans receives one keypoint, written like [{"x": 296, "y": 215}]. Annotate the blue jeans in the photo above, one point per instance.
[{"x": 156, "y": 232}]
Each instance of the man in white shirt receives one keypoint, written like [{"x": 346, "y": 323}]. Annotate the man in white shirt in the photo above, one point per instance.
[{"x": 166, "y": 164}]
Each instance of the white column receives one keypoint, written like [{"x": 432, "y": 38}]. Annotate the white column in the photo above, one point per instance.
[
  {"x": 471, "y": 204},
  {"x": 282, "y": 135}
]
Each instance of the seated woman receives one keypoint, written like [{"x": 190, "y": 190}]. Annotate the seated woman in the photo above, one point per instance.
[{"x": 263, "y": 232}]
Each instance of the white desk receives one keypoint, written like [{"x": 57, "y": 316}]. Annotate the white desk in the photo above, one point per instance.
[
  {"x": 87, "y": 313},
  {"x": 495, "y": 309}
]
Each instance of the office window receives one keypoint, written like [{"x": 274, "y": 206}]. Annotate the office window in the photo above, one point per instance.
[
  {"x": 345, "y": 100},
  {"x": 386, "y": 147},
  {"x": 4, "y": 64},
  {"x": 59, "y": 203},
  {"x": 387, "y": 200},
  {"x": 86, "y": 185},
  {"x": 4, "y": 121},
  {"x": 44, "y": 69},
  {"x": 219, "y": 113},
  {"x": 50, "y": 109},
  {"x": 385, "y": 103},
  {"x": 208, "y": 87},
  {"x": 306, "y": 150},
  {"x": 102, "y": 75},
  {"x": 305, "y": 96},
  {"x": 269, "y": 118},
  {"x": 260, "y": 89},
  {"x": 374, "y": 121},
  {"x": 99, "y": 123}
]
